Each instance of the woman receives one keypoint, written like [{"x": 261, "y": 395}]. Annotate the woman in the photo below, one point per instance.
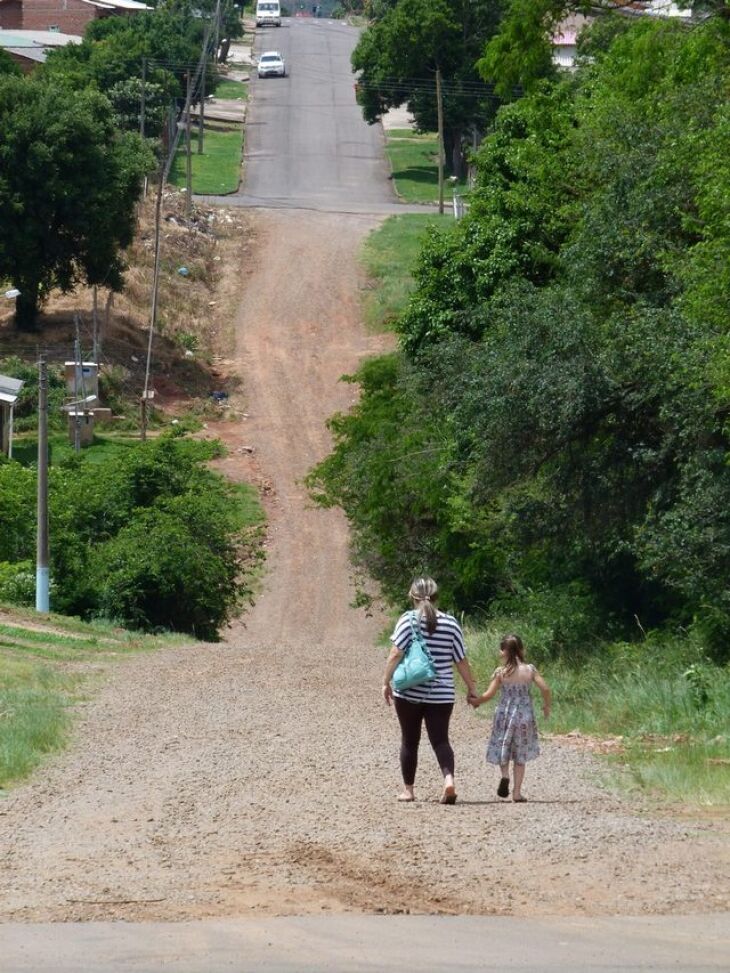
[{"x": 432, "y": 702}]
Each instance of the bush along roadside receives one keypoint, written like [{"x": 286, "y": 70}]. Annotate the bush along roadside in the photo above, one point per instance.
[{"x": 149, "y": 536}]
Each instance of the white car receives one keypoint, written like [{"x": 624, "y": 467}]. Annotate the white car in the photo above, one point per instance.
[{"x": 271, "y": 64}]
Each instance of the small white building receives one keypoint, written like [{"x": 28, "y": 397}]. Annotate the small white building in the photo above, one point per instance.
[{"x": 9, "y": 392}]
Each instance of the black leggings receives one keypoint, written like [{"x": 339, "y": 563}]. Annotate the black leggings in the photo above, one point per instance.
[{"x": 437, "y": 717}]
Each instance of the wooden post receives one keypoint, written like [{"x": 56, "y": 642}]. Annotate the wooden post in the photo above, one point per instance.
[
  {"x": 440, "y": 115},
  {"x": 142, "y": 97},
  {"x": 95, "y": 322},
  {"x": 189, "y": 166},
  {"x": 201, "y": 121},
  {"x": 142, "y": 106}
]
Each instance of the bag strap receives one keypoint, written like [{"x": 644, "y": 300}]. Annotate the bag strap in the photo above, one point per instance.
[{"x": 417, "y": 633}]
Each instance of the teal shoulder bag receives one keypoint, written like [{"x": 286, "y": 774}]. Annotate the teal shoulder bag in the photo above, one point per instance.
[{"x": 416, "y": 667}]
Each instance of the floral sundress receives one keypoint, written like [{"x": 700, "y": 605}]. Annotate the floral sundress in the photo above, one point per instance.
[{"x": 514, "y": 730}]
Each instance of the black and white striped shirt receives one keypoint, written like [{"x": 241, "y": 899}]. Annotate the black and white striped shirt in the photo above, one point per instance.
[{"x": 446, "y": 646}]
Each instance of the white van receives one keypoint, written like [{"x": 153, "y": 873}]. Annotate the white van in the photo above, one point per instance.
[{"x": 268, "y": 13}]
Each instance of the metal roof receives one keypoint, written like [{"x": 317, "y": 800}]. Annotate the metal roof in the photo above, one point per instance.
[
  {"x": 10, "y": 389},
  {"x": 38, "y": 39}
]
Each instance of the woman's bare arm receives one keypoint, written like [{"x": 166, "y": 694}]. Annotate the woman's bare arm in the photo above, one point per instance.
[{"x": 390, "y": 666}]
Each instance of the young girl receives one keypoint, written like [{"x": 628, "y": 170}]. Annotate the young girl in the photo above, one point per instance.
[{"x": 514, "y": 731}]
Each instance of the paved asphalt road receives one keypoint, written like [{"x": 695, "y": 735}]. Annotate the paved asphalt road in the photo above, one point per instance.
[
  {"x": 371, "y": 944},
  {"x": 307, "y": 146}
]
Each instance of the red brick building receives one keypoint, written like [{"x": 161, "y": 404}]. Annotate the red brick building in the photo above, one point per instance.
[{"x": 66, "y": 16}]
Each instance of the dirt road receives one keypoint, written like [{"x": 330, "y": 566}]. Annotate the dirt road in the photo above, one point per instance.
[{"x": 258, "y": 776}]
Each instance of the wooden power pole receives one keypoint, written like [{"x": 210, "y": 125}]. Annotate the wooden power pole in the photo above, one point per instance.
[{"x": 440, "y": 115}]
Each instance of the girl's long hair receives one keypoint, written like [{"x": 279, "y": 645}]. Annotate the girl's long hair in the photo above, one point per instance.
[
  {"x": 424, "y": 593},
  {"x": 515, "y": 650}
]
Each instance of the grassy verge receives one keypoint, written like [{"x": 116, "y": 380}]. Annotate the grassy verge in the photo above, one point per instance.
[
  {"x": 660, "y": 703},
  {"x": 414, "y": 163},
  {"x": 217, "y": 170},
  {"x": 389, "y": 256},
  {"x": 104, "y": 446},
  {"x": 231, "y": 90},
  {"x": 44, "y": 670}
]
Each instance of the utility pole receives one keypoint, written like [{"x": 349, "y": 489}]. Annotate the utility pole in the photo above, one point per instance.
[
  {"x": 41, "y": 571},
  {"x": 142, "y": 106},
  {"x": 440, "y": 114},
  {"x": 206, "y": 39},
  {"x": 189, "y": 166},
  {"x": 78, "y": 368},
  {"x": 216, "y": 35},
  {"x": 95, "y": 323},
  {"x": 201, "y": 122},
  {"x": 146, "y": 394},
  {"x": 142, "y": 97}
]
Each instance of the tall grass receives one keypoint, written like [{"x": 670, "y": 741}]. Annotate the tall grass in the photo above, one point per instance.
[
  {"x": 668, "y": 703},
  {"x": 42, "y": 674},
  {"x": 389, "y": 256}
]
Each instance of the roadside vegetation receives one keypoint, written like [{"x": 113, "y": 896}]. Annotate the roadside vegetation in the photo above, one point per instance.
[
  {"x": 215, "y": 171},
  {"x": 413, "y": 160},
  {"x": 145, "y": 535},
  {"x": 389, "y": 256},
  {"x": 46, "y": 667},
  {"x": 231, "y": 90},
  {"x": 550, "y": 440}
]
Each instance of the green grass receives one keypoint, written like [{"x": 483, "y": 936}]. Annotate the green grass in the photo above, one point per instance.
[
  {"x": 25, "y": 448},
  {"x": 389, "y": 256},
  {"x": 230, "y": 90},
  {"x": 414, "y": 163},
  {"x": 43, "y": 672},
  {"x": 218, "y": 170},
  {"x": 670, "y": 706}
]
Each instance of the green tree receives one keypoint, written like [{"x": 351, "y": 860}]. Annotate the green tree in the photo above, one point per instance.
[
  {"x": 398, "y": 55},
  {"x": 68, "y": 185},
  {"x": 8, "y": 65},
  {"x": 564, "y": 360}
]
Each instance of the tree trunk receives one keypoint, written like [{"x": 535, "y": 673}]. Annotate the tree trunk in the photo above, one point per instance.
[
  {"x": 26, "y": 306},
  {"x": 454, "y": 149}
]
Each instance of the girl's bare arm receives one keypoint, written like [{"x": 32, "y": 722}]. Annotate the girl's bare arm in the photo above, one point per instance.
[
  {"x": 546, "y": 694},
  {"x": 491, "y": 691}
]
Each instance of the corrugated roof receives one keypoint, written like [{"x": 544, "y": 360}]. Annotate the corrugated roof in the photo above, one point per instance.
[
  {"x": 118, "y": 4},
  {"x": 37, "y": 54},
  {"x": 36, "y": 38}
]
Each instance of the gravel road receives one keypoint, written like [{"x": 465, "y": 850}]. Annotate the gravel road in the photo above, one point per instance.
[{"x": 258, "y": 776}]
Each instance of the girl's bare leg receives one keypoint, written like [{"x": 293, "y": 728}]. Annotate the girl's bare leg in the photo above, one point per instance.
[{"x": 519, "y": 772}]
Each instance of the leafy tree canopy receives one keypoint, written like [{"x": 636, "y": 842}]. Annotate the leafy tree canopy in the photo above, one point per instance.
[
  {"x": 68, "y": 185},
  {"x": 557, "y": 417},
  {"x": 397, "y": 57}
]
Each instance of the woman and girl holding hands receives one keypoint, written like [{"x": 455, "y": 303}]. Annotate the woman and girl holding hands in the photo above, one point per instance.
[{"x": 514, "y": 730}]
